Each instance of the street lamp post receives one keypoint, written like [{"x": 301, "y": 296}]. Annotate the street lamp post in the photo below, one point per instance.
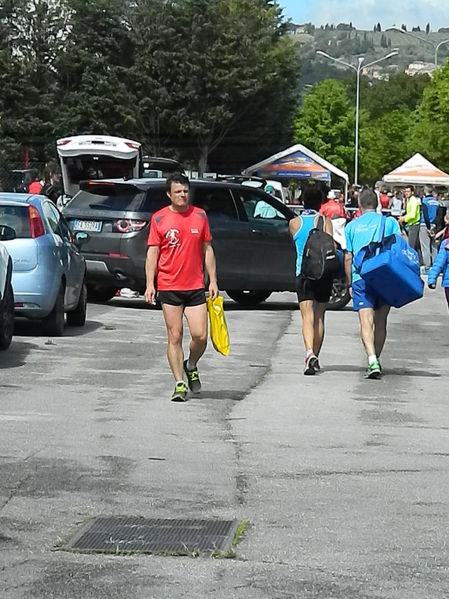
[
  {"x": 436, "y": 47},
  {"x": 358, "y": 70}
]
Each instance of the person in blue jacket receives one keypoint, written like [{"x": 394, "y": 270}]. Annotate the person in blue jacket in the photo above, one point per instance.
[{"x": 441, "y": 265}]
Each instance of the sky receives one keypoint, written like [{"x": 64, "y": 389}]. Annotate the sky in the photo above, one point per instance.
[{"x": 365, "y": 13}]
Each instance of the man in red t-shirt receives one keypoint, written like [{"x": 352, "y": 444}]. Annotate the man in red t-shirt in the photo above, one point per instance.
[{"x": 179, "y": 247}]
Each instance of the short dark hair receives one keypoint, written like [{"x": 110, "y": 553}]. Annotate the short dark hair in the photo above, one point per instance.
[
  {"x": 368, "y": 199},
  {"x": 312, "y": 197},
  {"x": 411, "y": 187},
  {"x": 176, "y": 178}
]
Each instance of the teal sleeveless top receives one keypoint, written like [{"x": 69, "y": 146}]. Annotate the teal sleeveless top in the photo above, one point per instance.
[{"x": 300, "y": 237}]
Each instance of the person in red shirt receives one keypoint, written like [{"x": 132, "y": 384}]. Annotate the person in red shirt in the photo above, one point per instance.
[
  {"x": 179, "y": 248},
  {"x": 332, "y": 208},
  {"x": 35, "y": 187}
]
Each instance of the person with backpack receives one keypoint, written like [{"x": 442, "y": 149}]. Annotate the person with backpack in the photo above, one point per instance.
[
  {"x": 316, "y": 266},
  {"x": 372, "y": 311}
]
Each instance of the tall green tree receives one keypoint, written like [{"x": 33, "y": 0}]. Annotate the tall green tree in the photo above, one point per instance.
[
  {"x": 208, "y": 63},
  {"x": 325, "y": 123},
  {"x": 430, "y": 131},
  {"x": 92, "y": 70},
  {"x": 33, "y": 31}
]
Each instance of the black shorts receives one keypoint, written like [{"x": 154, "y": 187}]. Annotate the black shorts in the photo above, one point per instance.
[
  {"x": 196, "y": 297},
  {"x": 320, "y": 290}
]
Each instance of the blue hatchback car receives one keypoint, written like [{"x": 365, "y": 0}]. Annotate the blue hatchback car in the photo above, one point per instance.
[{"x": 48, "y": 276}]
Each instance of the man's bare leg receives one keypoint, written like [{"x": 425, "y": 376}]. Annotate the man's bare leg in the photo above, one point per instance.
[
  {"x": 173, "y": 322},
  {"x": 196, "y": 317},
  {"x": 380, "y": 328}
]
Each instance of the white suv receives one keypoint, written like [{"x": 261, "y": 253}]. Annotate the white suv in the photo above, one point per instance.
[{"x": 6, "y": 293}]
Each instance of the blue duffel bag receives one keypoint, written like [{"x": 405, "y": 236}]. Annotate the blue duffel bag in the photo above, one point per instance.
[{"x": 390, "y": 267}]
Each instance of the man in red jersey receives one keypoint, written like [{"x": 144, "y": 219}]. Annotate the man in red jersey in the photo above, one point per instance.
[{"x": 179, "y": 248}]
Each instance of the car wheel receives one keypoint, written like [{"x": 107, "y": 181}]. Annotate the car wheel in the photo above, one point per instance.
[
  {"x": 248, "y": 298},
  {"x": 340, "y": 295},
  {"x": 7, "y": 318},
  {"x": 77, "y": 317},
  {"x": 100, "y": 294},
  {"x": 53, "y": 324}
]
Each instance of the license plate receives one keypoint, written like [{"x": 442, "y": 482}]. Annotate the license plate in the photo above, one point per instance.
[{"x": 87, "y": 225}]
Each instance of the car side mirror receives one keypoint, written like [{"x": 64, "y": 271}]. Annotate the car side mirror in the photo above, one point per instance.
[
  {"x": 80, "y": 238},
  {"x": 7, "y": 233}
]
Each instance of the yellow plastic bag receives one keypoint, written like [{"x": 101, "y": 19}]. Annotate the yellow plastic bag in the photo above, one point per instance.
[{"x": 218, "y": 327}]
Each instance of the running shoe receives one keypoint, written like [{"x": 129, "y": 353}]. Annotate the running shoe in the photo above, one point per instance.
[
  {"x": 373, "y": 371},
  {"x": 180, "y": 392},
  {"x": 192, "y": 378},
  {"x": 311, "y": 365}
]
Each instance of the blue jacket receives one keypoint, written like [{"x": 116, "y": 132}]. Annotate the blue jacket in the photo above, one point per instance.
[{"x": 441, "y": 265}]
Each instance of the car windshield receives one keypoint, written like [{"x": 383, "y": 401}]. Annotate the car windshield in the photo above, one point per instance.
[
  {"x": 16, "y": 217},
  {"x": 119, "y": 198}
]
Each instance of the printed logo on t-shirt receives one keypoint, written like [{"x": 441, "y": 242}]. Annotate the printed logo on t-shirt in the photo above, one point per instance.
[
  {"x": 172, "y": 236},
  {"x": 194, "y": 231}
]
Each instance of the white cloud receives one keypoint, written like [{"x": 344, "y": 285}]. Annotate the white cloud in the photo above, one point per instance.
[{"x": 365, "y": 13}]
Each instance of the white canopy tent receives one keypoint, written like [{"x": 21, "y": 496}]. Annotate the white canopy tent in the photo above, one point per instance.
[{"x": 417, "y": 170}]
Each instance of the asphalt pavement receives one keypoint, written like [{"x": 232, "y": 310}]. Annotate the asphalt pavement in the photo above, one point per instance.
[{"x": 344, "y": 481}]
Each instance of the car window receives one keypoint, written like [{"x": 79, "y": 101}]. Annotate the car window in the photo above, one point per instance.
[
  {"x": 217, "y": 202},
  {"x": 17, "y": 218},
  {"x": 52, "y": 215},
  {"x": 64, "y": 230},
  {"x": 155, "y": 199},
  {"x": 259, "y": 206},
  {"x": 109, "y": 197}
]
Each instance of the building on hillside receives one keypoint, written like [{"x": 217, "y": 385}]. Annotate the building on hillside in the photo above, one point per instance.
[{"x": 420, "y": 68}]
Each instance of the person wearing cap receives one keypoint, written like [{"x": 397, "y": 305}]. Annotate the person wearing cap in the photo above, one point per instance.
[
  {"x": 430, "y": 222},
  {"x": 332, "y": 207}
]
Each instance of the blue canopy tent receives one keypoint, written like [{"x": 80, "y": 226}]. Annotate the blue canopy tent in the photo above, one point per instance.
[{"x": 297, "y": 162}]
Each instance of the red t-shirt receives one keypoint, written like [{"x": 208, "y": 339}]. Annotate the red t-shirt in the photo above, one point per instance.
[
  {"x": 384, "y": 201},
  {"x": 180, "y": 237},
  {"x": 35, "y": 187},
  {"x": 332, "y": 208}
]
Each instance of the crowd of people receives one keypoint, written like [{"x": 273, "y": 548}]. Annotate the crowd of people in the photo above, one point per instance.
[
  {"x": 421, "y": 219},
  {"x": 47, "y": 182}
]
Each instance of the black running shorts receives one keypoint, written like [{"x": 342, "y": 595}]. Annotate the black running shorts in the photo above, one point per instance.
[
  {"x": 320, "y": 290},
  {"x": 196, "y": 297}
]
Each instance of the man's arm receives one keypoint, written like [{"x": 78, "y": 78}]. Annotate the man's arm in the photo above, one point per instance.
[
  {"x": 348, "y": 269},
  {"x": 211, "y": 269},
  {"x": 150, "y": 273}
]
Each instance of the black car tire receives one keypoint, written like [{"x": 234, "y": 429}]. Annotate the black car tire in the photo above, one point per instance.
[
  {"x": 53, "y": 324},
  {"x": 7, "y": 318},
  {"x": 77, "y": 317},
  {"x": 100, "y": 294},
  {"x": 340, "y": 295},
  {"x": 248, "y": 298}
]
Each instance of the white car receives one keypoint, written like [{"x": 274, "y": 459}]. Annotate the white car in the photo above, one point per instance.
[{"x": 6, "y": 292}]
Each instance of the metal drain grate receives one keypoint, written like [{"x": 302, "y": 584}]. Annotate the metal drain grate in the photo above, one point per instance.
[{"x": 121, "y": 534}]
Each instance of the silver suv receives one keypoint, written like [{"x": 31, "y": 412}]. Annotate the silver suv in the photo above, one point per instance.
[{"x": 6, "y": 293}]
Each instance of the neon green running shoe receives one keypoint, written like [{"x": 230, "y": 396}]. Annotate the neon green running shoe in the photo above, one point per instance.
[
  {"x": 180, "y": 392},
  {"x": 192, "y": 378},
  {"x": 373, "y": 371}
]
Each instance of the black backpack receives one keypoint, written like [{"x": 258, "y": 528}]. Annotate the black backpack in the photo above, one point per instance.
[{"x": 319, "y": 258}]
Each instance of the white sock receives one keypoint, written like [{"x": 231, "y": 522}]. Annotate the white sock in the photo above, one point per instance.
[
  {"x": 372, "y": 358},
  {"x": 179, "y": 382}
]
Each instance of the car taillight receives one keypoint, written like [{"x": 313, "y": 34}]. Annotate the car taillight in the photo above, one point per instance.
[
  {"x": 37, "y": 228},
  {"x": 129, "y": 225}
]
